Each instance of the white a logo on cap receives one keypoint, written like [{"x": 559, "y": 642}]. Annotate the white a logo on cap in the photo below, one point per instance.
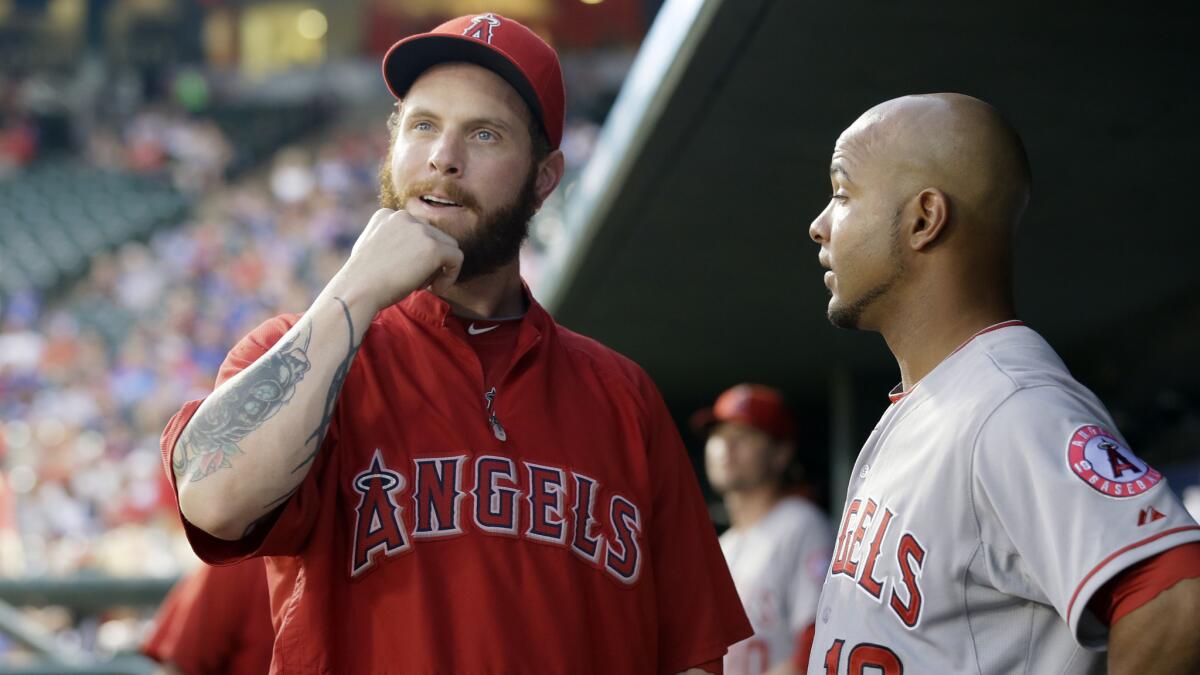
[{"x": 481, "y": 27}]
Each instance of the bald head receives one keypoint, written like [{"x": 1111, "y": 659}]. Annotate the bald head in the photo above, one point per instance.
[
  {"x": 927, "y": 191},
  {"x": 951, "y": 142}
]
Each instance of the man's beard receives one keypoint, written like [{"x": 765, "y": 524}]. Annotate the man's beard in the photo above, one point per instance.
[
  {"x": 850, "y": 315},
  {"x": 497, "y": 237}
]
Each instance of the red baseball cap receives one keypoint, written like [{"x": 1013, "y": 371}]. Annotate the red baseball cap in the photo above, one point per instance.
[
  {"x": 499, "y": 44},
  {"x": 755, "y": 405}
]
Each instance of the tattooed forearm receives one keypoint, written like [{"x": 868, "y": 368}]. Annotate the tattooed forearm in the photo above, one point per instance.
[
  {"x": 211, "y": 437},
  {"x": 339, "y": 377}
]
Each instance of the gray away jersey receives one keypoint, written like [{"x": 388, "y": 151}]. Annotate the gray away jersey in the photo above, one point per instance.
[
  {"x": 777, "y": 565},
  {"x": 984, "y": 511}
]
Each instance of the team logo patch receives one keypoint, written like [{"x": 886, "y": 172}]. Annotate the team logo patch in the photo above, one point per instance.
[
  {"x": 1105, "y": 464},
  {"x": 482, "y": 27}
]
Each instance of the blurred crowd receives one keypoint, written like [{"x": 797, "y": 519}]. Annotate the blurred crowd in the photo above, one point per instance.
[
  {"x": 87, "y": 382},
  {"x": 192, "y": 149},
  {"x": 21, "y": 129},
  {"x": 122, "y": 131}
]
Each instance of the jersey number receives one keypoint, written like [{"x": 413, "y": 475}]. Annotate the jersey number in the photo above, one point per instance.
[{"x": 864, "y": 655}]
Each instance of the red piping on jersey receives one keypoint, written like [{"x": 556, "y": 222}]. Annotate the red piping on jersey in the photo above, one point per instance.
[
  {"x": 1110, "y": 558},
  {"x": 895, "y": 396}
]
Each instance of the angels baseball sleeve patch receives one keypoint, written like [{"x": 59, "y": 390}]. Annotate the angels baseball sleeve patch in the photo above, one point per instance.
[{"x": 1106, "y": 465}]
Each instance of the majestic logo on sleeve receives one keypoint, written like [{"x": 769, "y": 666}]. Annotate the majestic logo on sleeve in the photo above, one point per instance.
[
  {"x": 482, "y": 26},
  {"x": 1101, "y": 461},
  {"x": 491, "y": 495}
]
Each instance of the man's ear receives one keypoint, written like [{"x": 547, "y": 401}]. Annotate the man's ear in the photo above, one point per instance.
[
  {"x": 929, "y": 217},
  {"x": 549, "y": 174}
]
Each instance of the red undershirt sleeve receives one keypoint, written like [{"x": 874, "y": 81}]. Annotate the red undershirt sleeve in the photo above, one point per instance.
[{"x": 1142, "y": 582}]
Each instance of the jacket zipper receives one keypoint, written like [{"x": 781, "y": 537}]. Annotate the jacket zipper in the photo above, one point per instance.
[
  {"x": 489, "y": 397},
  {"x": 490, "y": 406}
]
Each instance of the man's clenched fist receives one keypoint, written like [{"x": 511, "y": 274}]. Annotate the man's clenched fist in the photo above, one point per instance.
[{"x": 397, "y": 254}]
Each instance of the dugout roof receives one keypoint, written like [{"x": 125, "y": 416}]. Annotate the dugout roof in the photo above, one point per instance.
[{"x": 689, "y": 247}]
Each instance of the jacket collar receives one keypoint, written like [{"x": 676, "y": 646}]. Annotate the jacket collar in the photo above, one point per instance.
[{"x": 424, "y": 307}]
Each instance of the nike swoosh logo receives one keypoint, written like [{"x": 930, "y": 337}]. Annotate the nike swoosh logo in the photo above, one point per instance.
[{"x": 479, "y": 331}]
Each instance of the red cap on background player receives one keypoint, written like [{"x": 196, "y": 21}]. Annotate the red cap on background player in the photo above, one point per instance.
[
  {"x": 755, "y": 405},
  {"x": 499, "y": 44}
]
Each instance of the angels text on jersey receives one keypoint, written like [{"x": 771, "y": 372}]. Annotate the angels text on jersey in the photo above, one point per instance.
[
  {"x": 866, "y": 534},
  {"x": 500, "y": 496}
]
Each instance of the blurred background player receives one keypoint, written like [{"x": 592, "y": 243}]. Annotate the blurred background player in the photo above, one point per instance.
[
  {"x": 216, "y": 621},
  {"x": 778, "y": 544}
]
